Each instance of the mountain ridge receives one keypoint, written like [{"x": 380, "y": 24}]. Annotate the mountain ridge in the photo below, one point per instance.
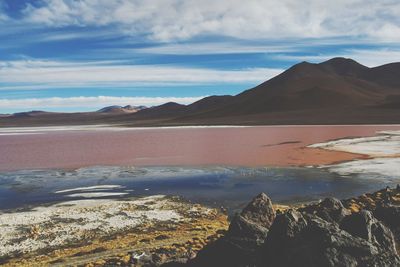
[{"x": 336, "y": 91}]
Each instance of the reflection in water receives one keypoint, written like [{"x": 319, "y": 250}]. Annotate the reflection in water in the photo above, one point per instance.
[{"x": 217, "y": 186}]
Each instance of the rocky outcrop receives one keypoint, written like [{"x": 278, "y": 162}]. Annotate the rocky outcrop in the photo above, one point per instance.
[
  {"x": 384, "y": 205},
  {"x": 299, "y": 239},
  {"x": 364, "y": 225},
  {"x": 246, "y": 233},
  {"x": 322, "y": 234},
  {"x": 330, "y": 209},
  {"x": 250, "y": 227},
  {"x": 389, "y": 214}
]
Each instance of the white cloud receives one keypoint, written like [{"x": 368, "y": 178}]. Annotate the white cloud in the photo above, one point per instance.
[
  {"x": 376, "y": 57},
  {"x": 54, "y": 73},
  {"x": 211, "y": 48},
  {"x": 89, "y": 102},
  {"x": 169, "y": 20}
]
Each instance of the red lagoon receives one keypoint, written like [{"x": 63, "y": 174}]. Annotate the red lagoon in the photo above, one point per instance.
[{"x": 237, "y": 146}]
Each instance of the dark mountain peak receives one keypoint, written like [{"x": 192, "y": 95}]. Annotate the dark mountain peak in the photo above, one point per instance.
[
  {"x": 340, "y": 61},
  {"x": 336, "y": 63},
  {"x": 29, "y": 113},
  {"x": 304, "y": 63},
  {"x": 170, "y": 105},
  {"x": 164, "y": 110},
  {"x": 167, "y": 107},
  {"x": 109, "y": 108},
  {"x": 298, "y": 70},
  {"x": 343, "y": 66}
]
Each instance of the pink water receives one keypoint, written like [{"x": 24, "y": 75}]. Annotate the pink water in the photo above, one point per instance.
[{"x": 248, "y": 146}]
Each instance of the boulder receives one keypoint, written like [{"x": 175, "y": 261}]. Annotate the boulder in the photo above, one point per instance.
[
  {"x": 246, "y": 233},
  {"x": 250, "y": 228},
  {"x": 330, "y": 209},
  {"x": 297, "y": 239},
  {"x": 323, "y": 234},
  {"x": 390, "y": 215},
  {"x": 364, "y": 225}
]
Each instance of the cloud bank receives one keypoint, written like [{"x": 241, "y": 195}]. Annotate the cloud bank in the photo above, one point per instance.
[
  {"x": 55, "y": 73},
  {"x": 169, "y": 20}
]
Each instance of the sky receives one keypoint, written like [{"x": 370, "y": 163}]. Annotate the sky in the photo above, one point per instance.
[{"x": 81, "y": 55}]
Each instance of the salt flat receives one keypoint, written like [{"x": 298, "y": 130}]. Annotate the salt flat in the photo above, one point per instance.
[
  {"x": 383, "y": 150},
  {"x": 386, "y": 144},
  {"x": 48, "y": 227}
]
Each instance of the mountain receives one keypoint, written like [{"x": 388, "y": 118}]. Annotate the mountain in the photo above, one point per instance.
[
  {"x": 119, "y": 109},
  {"x": 30, "y": 113},
  {"x": 332, "y": 84},
  {"x": 337, "y": 91}
]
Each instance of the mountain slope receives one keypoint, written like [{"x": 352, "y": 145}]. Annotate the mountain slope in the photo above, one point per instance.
[
  {"x": 306, "y": 88},
  {"x": 337, "y": 91},
  {"x": 335, "y": 83}
]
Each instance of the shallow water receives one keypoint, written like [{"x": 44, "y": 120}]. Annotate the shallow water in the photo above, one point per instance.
[
  {"x": 75, "y": 147},
  {"x": 231, "y": 187}
]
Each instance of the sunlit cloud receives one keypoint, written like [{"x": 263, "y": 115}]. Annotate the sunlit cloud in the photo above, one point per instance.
[
  {"x": 212, "y": 48},
  {"x": 179, "y": 20},
  {"x": 94, "y": 73}
]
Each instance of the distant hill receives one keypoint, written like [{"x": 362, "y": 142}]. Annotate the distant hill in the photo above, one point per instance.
[
  {"x": 337, "y": 91},
  {"x": 120, "y": 109}
]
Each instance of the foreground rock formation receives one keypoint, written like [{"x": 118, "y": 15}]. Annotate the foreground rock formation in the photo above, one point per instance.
[{"x": 362, "y": 231}]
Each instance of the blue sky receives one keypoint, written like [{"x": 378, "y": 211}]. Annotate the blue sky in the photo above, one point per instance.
[{"x": 77, "y": 55}]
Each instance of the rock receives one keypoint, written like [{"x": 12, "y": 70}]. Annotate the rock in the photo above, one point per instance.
[
  {"x": 246, "y": 233},
  {"x": 142, "y": 259},
  {"x": 260, "y": 211},
  {"x": 307, "y": 240},
  {"x": 330, "y": 209},
  {"x": 250, "y": 227},
  {"x": 390, "y": 216},
  {"x": 364, "y": 225},
  {"x": 323, "y": 234}
]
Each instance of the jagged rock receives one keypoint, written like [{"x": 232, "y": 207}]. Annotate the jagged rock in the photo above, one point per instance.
[
  {"x": 307, "y": 240},
  {"x": 390, "y": 216},
  {"x": 250, "y": 227},
  {"x": 330, "y": 209},
  {"x": 323, "y": 234},
  {"x": 260, "y": 211},
  {"x": 246, "y": 233},
  {"x": 364, "y": 225}
]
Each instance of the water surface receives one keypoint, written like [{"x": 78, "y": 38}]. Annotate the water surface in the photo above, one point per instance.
[
  {"x": 66, "y": 147},
  {"x": 217, "y": 186}
]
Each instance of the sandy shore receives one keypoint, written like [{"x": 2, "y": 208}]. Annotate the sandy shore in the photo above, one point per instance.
[{"x": 240, "y": 146}]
